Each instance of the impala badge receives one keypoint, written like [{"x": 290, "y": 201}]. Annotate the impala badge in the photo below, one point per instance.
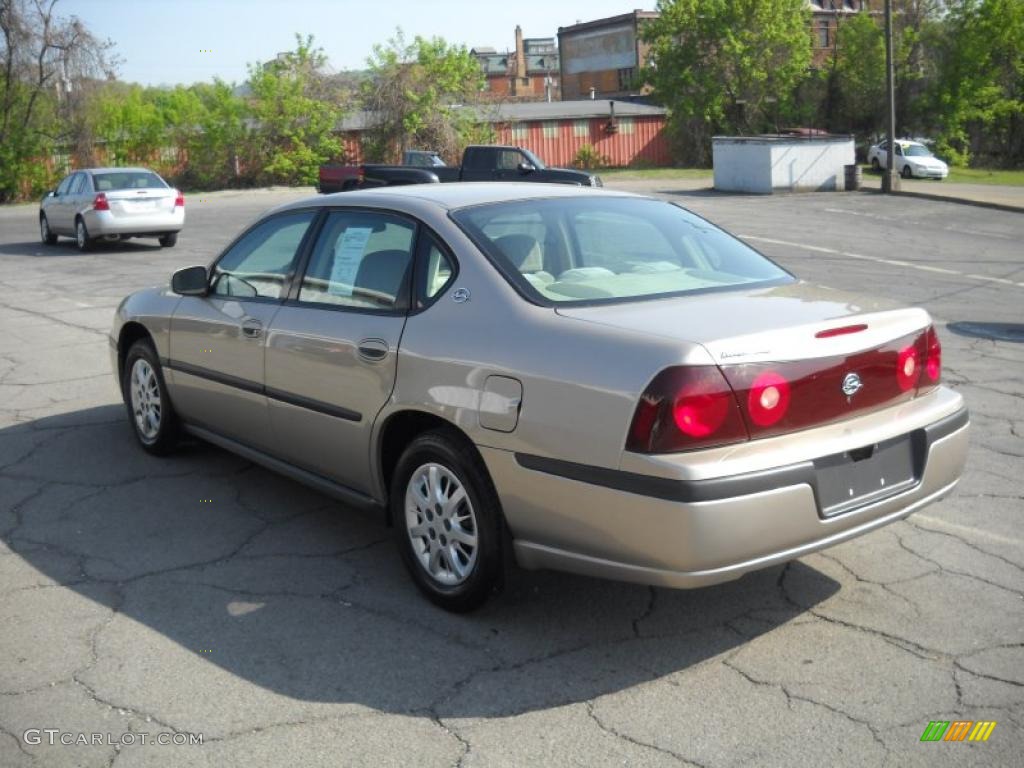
[
  {"x": 851, "y": 385},
  {"x": 460, "y": 295}
]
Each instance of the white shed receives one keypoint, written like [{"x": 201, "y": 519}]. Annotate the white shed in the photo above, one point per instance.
[{"x": 764, "y": 164}]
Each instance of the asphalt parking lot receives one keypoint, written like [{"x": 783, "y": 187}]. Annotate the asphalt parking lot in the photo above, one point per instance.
[{"x": 201, "y": 594}]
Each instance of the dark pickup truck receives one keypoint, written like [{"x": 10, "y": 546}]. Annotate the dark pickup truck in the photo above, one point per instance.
[{"x": 479, "y": 163}]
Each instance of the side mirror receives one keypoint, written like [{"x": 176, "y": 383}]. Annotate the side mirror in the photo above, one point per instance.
[
  {"x": 191, "y": 281},
  {"x": 525, "y": 167}
]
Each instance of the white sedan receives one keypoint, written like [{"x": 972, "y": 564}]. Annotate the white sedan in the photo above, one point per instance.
[{"x": 913, "y": 160}]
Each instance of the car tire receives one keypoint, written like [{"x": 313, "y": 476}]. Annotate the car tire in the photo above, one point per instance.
[
  {"x": 169, "y": 240},
  {"x": 150, "y": 412},
  {"x": 907, "y": 173},
  {"x": 875, "y": 165},
  {"x": 82, "y": 239},
  {"x": 440, "y": 486},
  {"x": 45, "y": 234}
]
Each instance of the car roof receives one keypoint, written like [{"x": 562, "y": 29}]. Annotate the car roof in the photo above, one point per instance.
[{"x": 455, "y": 194}]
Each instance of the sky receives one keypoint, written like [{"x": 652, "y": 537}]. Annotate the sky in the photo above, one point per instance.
[{"x": 165, "y": 42}]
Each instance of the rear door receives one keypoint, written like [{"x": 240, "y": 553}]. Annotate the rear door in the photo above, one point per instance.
[
  {"x": 218, "y": 341},
  {"x": 57, "y": 210},
  {"x": 332, "y": 348},
  {"x": 479, "y": 163}
]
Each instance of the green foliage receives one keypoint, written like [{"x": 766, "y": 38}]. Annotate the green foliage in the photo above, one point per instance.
[
  {"x": 413, "y": 89},
  {"x": 978, "y": 94},
  {"x": 729, "y": 66},
  {"x": 295, "y": 130},
  {"x": 588, "y": 157},
  {"x": 859, "y": 76}
]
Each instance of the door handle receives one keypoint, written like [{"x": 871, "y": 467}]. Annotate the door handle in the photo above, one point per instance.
[
  {"x": 373, "y": 350},
  {"x": 252, "y": 328}
]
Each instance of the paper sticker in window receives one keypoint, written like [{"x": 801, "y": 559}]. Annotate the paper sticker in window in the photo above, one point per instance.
[{"x": 348, "y": 253}]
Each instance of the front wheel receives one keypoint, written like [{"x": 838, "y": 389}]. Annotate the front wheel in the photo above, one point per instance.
[
  {"x": 447, "y": 520},
  {"x": 145, "y": 395},
  {"x": 169, "y": 240},
  {"x": 907, "y": 173},
  {"x": 82, "y": 239},
  {"x": 45, "y": 234}
]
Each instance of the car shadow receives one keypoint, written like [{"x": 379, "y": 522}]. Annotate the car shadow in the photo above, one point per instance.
[
  {"x": 240, "y": 569},
  {"x": 66, "y": 247}
]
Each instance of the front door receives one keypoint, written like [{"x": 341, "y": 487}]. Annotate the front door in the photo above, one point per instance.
[
  {"x": 332, "y": 349},
  {"x": 218, "y": 341}
]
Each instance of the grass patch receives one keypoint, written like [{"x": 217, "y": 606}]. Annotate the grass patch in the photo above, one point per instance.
[
  {"x": 636, "y": 174},
  {"x": 997, "y": 177}
]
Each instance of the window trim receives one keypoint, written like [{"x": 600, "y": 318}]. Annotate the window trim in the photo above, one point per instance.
[
  {"x": 420, "y": 303},
  {"x": 289, "y": 277},
  {"x": 401, "y": 309},
  {"x": 537, "y": 299}
]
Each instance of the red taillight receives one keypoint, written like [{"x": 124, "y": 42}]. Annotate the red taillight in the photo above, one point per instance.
[
  {"x": 768, "y": 399},
  {"x": 100, "y": 203},
  {"x": 933, "y": 360},
  {"x": 908, "y": 368},
  {"x": 685, "y": 408},
  {"x": 180, "y": 199}
]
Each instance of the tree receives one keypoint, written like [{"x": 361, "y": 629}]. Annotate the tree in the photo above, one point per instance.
[
  {"x": 859, "y": 76},
  {"x": 295, "y": 128},
  {"x": 413, "y": 91},
  {"x": 43, "y": 58},
  {"x": 726, "y": 66},
  {"x": 978, "y": 94}
]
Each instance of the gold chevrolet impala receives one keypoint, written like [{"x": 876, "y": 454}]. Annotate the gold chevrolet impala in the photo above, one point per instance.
[{"x": 555, "y": 377}]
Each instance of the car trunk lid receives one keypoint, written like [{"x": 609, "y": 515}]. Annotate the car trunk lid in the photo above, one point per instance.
[
  {"x": 141, "y": 202},
  {"x": 795, "y": 356}
]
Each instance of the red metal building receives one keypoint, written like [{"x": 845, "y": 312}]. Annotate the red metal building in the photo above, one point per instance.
[{"x": 622, "y": 133}]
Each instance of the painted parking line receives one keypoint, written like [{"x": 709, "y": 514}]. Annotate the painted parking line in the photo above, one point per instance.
[{"x": 880, "y": 260}]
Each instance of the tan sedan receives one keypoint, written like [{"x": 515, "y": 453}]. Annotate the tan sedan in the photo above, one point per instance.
[{"x": 567, "y": 378}]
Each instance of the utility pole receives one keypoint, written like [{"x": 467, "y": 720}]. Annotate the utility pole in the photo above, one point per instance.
[{"x": 890, "y": 180}]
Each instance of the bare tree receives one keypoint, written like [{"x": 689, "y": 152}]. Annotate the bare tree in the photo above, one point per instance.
[{"x": 45, "y": 58}]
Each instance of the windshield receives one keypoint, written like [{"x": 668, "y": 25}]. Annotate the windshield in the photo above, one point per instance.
[
  {"x": 916, "y": 150},
  {"x": 610, "y": 249},
  {"x": 114, "y": 180}
]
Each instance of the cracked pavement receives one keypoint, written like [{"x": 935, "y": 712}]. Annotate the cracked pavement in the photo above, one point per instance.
[{"x": 284, "y": 629}]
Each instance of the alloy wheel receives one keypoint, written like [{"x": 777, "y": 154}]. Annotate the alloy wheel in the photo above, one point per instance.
[
  {"x": 146, "y": 402},
  {"x": 441, "y": 524}
]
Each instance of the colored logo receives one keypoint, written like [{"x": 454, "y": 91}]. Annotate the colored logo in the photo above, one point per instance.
[
  {"x": 958, "y": 730},
  {"x": 852, "y": 384}
]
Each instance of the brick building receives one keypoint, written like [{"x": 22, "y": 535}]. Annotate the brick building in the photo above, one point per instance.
[
  {"x": 529, "y": 73},
  {"x": 826, "y": 18},
  {"x": 602, "y": 58}
]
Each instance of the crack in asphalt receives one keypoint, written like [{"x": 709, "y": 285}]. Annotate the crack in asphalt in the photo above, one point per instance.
[{"x": 611, "y": 731}]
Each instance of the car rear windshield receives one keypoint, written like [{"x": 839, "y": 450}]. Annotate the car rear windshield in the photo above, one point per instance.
[
  {"x": 114, "y": 180},
  {"x": 611, "y": 249}
]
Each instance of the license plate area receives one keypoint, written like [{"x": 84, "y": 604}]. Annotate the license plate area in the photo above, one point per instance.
[{"x": 846, "y": 481}]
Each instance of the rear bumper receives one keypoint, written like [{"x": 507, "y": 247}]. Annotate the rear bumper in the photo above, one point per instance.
[
  {"x": 685, "y": 533},
  {"x": 102, "y": 223}
]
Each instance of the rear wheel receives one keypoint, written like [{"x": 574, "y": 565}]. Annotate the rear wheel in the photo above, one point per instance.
[
  {"x": 875, "y": 165},
  {"x": 169, "y": 240},
  {"x": 44, "y": 231},
  {"x": 447, "y": 521},
  {"x": 145, "y": 396},
  {"x": 907, "y": 173},
  {"x": 82, "y": 239}
]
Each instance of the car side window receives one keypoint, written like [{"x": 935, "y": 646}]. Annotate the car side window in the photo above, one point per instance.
[
  {"x": 258, "y": 264},
  {"x": 899, "y": 150},
  {"x": 509, "y": 159},
  {"x": 362, "y": 260},
  {"x": 437, "y": 270},
  {"x": 76, "y": 184},
  {"x": 65, "y": 185}
]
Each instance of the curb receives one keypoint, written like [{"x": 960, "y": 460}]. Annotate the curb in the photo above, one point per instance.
[{"x": 948, "y": 199}]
